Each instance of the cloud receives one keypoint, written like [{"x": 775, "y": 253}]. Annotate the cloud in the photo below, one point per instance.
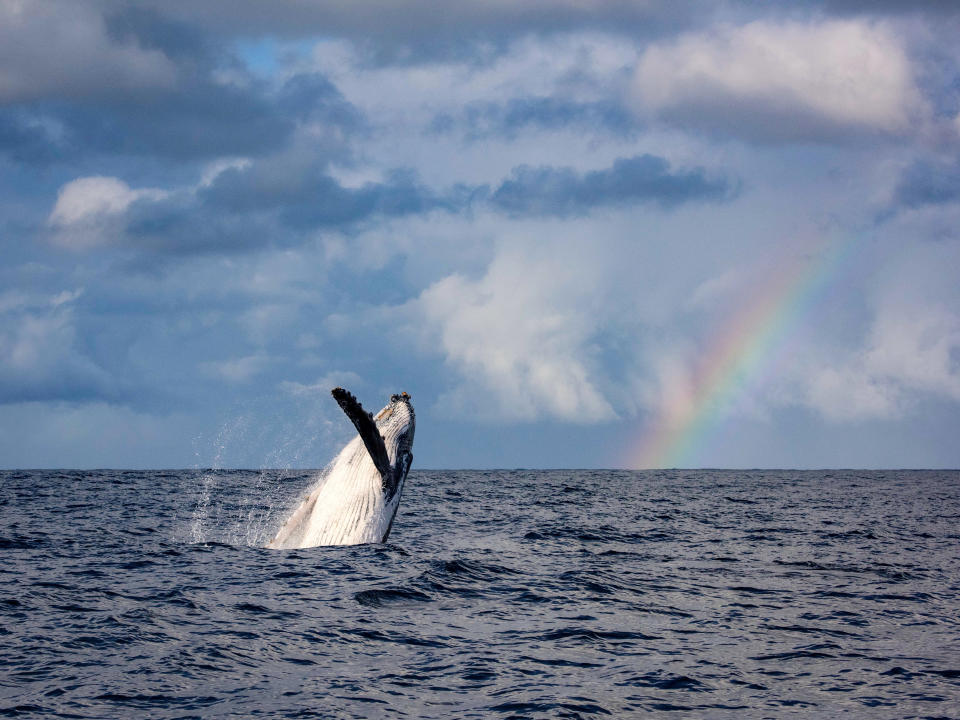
[
  {"x": 200, "y": 121},
  {"x": 89, "y": 210},
  {"x": 238, "y": 206},
  {"x": 786, "y": 81},
  {"x": 84, "y": 198},
  {"x": 335, "y": 378},
  {"x": 14, "y": 300},
  {"x": 717, "y": 289},
  {"x": 26, "y": 138},
  {"x": 562, "y": 192},
  {"x": 63, "y": 48},
  {"x": 911, "y": 352},
  {"x": 520, "y": 338},
  {"x": 919, "y": 348},
  {"x": 847, "y": 394},
  {"x": 935, "y": 8},
  {"x": 198, "y": 118},
  {"x": 310, "y": 97},
  {"x": 482, "y": 120},
  {"x": 413, "y": 31},
  {"x": 523, "y": 213},
  {"x": 237, "y": 370},
  {"x": 928, "y": 183},
  {"x": 309, "y": 197},
  {"x": 94, "y": 435},
  {"x": 80, "y": 79},
  {"x": 39, "y": 355}
]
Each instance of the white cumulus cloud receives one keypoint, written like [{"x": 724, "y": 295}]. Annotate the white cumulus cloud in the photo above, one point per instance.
[
  {"x": 911, "y": 351},
  {"x": 88, "y": 210},
  {"x": 520, "y": 337},
  {"x": 782, "y": 81}
]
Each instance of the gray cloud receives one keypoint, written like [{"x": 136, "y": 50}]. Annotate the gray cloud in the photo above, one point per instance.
[
  {"x": 63, "y": 48},
  {"x": 562, "y": 192},
  {"x": 399, "y": 31},
  {"x": 39, "y": 355},
  {"x": 24, "y": 138},
  {"x": 312, "y": 97},
  {"x": 413, "y": 30},
  {"x": 150, "y": 29},
  {"x": 275, "y": 202},
  {"x": 199, "y": 119},
  {"x": 892, "y": 7},
  {"x": 116, "y": 80},
  {"x": 281, "y": 200},
  {"x": 482, "y": 120},
  {"x": 309, "y": 198},
  {"x": 928, "y": 183}
]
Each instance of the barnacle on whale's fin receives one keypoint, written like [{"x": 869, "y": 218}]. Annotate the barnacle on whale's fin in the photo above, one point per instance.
[{"x": 363, "y": 421}]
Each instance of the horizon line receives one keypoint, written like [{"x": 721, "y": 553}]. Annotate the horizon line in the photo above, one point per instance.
[{"x": 495, "y": 469}]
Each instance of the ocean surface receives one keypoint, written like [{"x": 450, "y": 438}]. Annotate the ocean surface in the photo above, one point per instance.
[{"x": 500, "y": 594}]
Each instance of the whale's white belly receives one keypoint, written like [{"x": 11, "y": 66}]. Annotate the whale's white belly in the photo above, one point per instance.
[{"x": 346, "y": 509}]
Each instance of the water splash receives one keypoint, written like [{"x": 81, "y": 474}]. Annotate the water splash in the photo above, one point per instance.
[
  {"x": 209, "y": 479},
  {"x": 246, "y": 507}
]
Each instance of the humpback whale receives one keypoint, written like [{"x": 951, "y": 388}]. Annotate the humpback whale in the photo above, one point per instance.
[{"x": 359, "y": 498}]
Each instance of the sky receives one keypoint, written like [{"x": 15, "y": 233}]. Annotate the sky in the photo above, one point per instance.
[{"x": 591, "y": 233}]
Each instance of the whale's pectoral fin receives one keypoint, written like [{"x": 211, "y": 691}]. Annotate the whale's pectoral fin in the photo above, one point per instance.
[{"x": 367, "y": 428}]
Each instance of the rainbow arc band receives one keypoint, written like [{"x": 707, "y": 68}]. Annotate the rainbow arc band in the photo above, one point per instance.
[{"x": 750, "y": 347}]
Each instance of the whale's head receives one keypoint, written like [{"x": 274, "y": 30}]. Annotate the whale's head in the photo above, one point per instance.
[
  {"x": 387, "y": 436},
  {"x": 397, "y": 423}
]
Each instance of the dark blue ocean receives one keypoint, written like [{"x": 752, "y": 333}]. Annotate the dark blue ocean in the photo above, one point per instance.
[{"x": 501, "y": 594}]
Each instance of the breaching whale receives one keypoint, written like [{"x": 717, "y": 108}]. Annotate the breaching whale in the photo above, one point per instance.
[{"x": 359, "y": 497}]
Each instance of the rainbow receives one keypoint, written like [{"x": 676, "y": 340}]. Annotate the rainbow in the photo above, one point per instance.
[{"x": 744, "y": 352}]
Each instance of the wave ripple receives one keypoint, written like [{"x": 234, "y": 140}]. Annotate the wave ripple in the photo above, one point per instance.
[{"x": 519, "y": 594}]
